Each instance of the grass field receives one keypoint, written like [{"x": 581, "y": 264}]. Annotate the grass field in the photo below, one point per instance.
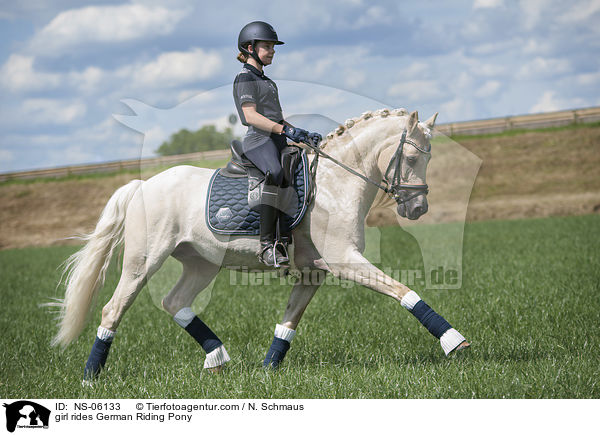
[{"x": 529, "y": 305}]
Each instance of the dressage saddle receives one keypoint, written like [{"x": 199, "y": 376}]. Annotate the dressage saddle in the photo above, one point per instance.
[{"x": 240, "y": 166}]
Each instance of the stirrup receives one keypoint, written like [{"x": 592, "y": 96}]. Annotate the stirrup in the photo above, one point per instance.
[
  {"x": 273, "y": 247},
  {"x": 284, "y": 254}
]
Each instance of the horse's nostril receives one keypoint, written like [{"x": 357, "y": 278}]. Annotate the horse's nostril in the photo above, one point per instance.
[{"x": 418, "y": 209}]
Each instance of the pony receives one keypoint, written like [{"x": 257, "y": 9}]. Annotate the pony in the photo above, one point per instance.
[{"x": 164, "y": 216}]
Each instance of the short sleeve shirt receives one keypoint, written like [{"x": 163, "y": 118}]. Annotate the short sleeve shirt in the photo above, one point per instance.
[{"x": 253, "y": 86}]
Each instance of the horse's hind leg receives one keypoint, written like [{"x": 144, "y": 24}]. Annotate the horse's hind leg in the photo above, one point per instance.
[
  {"x": 138, "y": 267},
  {"x": 197, "y": 275}
]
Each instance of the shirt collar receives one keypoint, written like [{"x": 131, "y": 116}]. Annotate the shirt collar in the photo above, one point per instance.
[{"x": 254, "y": 70}]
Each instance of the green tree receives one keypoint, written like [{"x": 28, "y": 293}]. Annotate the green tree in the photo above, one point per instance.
[{"x": 206, "y": 139}]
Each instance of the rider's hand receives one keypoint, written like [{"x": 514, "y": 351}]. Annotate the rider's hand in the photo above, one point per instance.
[
  {"x": 316, "y": 138},
  {"x": 295, "y": 134}
]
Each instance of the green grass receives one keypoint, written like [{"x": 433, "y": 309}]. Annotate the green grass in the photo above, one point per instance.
[{"x": 529, "y": 305}]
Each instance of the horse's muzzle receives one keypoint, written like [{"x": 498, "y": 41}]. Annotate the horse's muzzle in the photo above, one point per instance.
[{"x": 414, "y": 208}]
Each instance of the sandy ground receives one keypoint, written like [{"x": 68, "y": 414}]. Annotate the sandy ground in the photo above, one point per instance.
[{"x": 505, "y": 177}]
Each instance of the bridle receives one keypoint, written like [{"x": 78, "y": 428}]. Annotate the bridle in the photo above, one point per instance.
[{"x": 394, "y": 185}]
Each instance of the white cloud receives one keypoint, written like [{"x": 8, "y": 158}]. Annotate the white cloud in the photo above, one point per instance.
[
  {"x": 485, "y": 4},
  {"x": 588, "y": 79},
  {"x": 550, "y": 102},
  {"x": 87, "y": 80},
  {"x": 457, "y": 108},
  {"x": 543, "y": 67},
  {"x": 580, "y": 13},
  {"x": 531, "y": 11},
  {"x": 488, "y": 89},
  {"x": 47, "y": 111},
  {"x": 104, "y": 24},
  {"x": 18, "y": 75},
  {"x": 546, "y": 103},
  {"x": 415, "y": 90},
  {"x": 373, "y": 16},
  {"x": 6, "y": 156},
  {"x": 174, "y": 69}
]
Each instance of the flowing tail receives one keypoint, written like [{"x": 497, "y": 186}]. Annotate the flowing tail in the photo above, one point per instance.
[{"x": 86, "y": 268}]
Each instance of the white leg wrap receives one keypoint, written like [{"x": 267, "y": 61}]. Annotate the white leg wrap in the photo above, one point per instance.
[
  {"x": 450, "y": 340},
  {"x": 409, "y": 300},
  {"x": 105, "y": 334},
  {"x": 216, "y": 358},
  {"x": 284, "y": 333},
  {"x": 184, "y": 317}
]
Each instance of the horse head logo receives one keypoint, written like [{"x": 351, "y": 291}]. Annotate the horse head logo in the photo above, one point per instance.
[
  {"x": 450, "y": 174},
  {"x": 26, "y": 413}
]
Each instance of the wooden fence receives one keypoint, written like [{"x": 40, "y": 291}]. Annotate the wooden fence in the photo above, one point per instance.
[
  {"x": 495, "y": 125},
  {"x": 540, "y": 120}
]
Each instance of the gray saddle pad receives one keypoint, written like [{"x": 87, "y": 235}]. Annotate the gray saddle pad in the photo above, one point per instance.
[{"x": 227, "y": 210}]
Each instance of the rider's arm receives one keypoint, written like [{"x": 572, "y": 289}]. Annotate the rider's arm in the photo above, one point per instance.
[{"x": 259, "y": 121}]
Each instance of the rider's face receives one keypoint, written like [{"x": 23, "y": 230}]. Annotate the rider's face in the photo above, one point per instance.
[{"x": 265, "y": 51}]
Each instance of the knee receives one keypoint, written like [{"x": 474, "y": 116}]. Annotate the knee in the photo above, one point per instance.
[{"x": 275, "y": 177}]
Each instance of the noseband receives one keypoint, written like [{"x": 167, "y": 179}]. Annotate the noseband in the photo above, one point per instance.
[{"x": 393, "y": 186}]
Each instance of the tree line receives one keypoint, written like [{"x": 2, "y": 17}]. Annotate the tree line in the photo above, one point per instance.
[{"x": 205, "y": 139}]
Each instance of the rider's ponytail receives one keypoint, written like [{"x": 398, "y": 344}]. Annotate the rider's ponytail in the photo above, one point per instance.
[{"x": 242, "y": 57}]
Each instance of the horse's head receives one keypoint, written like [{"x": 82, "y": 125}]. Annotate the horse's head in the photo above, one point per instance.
[{"x": 405, "y": 171}]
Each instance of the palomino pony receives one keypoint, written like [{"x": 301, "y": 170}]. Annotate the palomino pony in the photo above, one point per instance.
[{"x": 164, "y": 216}]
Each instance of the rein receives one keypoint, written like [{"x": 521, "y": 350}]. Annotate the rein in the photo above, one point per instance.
[{"x": 391, "y": 187}]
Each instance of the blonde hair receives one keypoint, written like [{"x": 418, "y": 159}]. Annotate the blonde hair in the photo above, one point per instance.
[{"x": 242, "y": 57}]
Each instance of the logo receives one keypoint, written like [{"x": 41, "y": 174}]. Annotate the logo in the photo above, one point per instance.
[
  {"x": 224, "y": 214},
  {"x": 26, "y": 415}
]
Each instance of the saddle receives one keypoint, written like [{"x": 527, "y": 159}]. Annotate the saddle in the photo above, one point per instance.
[{"x": 235, "y": 191}]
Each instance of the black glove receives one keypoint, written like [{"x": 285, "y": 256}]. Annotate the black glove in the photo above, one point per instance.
[
  {"x": 295, "y": 134},
  {"x": 316, "y": 138}
]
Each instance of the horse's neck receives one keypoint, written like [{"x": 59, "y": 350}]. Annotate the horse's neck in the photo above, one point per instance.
[{"x": 342, "y": 192}]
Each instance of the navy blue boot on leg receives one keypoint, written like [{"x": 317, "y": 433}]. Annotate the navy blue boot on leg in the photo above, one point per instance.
[
  {"x": 279, "y": 347},
  {"x": 98, "y": 354}
]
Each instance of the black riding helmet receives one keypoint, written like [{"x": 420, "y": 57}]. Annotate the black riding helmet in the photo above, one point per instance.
[{"x": 253, "y": 32}]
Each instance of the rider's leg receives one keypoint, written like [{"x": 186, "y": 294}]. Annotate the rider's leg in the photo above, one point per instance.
[{"x": 267, "y": 158}]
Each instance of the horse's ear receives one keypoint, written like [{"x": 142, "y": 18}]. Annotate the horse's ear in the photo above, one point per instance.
[
  {"x": 431, "y": 121},
  {"x": 413, "y": 121}
]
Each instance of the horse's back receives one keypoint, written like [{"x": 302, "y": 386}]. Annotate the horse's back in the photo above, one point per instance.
[{"x": 176, "y": 193}]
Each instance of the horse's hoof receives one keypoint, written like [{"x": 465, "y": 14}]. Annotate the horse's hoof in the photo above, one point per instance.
[
  {"x": 216, "y": 370},
  {"x": 460, "y": 349}
]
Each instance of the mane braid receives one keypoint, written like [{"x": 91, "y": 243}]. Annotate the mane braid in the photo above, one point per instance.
[{"x": 351, "y": 122}]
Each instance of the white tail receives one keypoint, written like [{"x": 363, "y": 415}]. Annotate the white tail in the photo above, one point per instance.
[{"x": 86, "y": 268}]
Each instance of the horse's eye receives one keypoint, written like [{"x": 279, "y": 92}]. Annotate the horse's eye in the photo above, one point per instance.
[{"x": 411, "y": 160}]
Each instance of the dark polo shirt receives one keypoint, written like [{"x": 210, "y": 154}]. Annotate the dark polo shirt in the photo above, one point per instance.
[{"x": 253, "y": 86}]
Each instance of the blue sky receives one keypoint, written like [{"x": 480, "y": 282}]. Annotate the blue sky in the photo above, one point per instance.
[{"x": 67, "y": 66}]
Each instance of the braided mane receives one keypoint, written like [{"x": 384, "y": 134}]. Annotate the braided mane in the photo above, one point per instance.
[{"x": 351, "y": 122}]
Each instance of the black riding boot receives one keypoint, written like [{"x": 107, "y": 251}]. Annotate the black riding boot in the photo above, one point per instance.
[{"x": 270, "y": 253}]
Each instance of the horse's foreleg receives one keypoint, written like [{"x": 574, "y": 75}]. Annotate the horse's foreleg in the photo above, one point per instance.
[
  {"x": 301, "y": 295},
  {"x": 197, "y": 275},
  {"x": 358, "y": 269}
]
